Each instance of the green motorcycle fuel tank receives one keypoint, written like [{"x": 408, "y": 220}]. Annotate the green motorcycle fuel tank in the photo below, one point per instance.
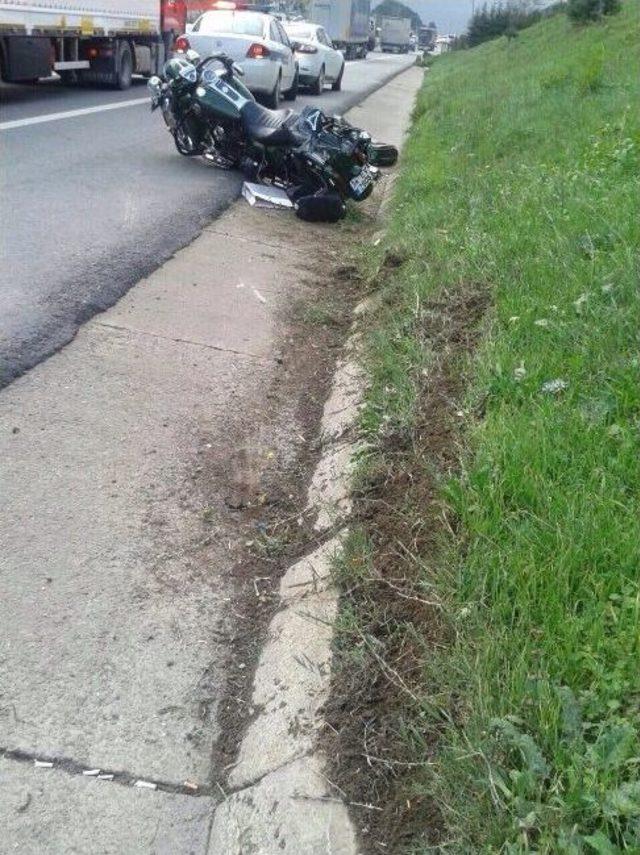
[
  {"x": 218, "y": 93},
  {"x": 222, "y": 97}
]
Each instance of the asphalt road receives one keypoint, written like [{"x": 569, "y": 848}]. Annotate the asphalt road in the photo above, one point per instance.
[{"x": 93, "y": 202}]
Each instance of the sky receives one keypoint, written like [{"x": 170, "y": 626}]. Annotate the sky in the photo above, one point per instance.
[{"x": 451, "y": 16}]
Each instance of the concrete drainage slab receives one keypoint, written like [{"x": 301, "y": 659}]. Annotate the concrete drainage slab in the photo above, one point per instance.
[
  {"x": 280, "y": 800},
  {"x": 292, "y": 811}
]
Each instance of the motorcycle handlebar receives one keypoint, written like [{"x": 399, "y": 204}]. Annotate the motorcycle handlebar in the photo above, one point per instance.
[{"x": 220, "y": 57}]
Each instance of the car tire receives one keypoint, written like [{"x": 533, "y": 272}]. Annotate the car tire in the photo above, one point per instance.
[
  {"x": 317, "y": 87},
  {"x": 273, "y": 100},
  {"x": 292, "y": 93},
  {"x": 336, "y": 86},
  {"x": 123, "y": 76}
]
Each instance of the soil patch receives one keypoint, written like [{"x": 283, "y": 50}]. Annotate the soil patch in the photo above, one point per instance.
[{"x": 390, "y": 617}]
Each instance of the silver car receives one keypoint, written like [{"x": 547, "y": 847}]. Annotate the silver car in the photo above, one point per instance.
[
  {"x": 257, "y": 42},
  {"x": 318, "y": 61}
]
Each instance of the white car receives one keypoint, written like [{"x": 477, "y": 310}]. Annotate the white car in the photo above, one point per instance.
[
  {"x": 318, "y": 61},
  {"x": 257, "y": 42}
]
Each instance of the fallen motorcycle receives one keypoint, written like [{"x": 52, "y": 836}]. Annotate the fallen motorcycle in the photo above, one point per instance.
[{"x": 320, "y": 161}]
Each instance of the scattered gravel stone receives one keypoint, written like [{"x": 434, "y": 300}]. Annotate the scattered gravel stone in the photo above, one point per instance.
[{"x": 552, "y": 387}]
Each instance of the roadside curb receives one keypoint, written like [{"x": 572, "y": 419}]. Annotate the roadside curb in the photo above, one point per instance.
[
  {"x": 362, "y": 96},
  {"x": 279, "y": 799}
]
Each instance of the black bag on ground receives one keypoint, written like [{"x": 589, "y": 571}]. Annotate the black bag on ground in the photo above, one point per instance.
[
  {"x": 383, "y": 154},
  {"x": 321, "y": 207}
]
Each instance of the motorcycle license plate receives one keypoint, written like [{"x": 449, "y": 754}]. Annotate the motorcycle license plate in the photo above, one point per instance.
[{"x": 360, "y": 183}]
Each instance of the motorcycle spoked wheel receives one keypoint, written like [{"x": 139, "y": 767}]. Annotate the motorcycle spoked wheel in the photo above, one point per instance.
[
  {"x": 185, "y": 143},
  {"x": 300, "y": 179}
]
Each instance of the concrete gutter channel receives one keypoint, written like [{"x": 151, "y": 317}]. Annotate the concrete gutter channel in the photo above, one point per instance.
[{"x": 147, "y": 371}]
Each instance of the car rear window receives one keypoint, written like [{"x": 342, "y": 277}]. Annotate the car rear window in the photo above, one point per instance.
[
  {"x": 300, "y": 32},
  {"x": 238, "y": 23}
]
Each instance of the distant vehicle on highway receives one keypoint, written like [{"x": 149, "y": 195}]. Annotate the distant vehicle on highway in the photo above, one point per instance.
[
  {"x": 443, "y": 44},
  {"x": 395, "y": 35},
  {"x": 318, "y": 60},
  {"x": 93, "y": 41},
  {"x": 256, "y": 41},
  {"x": 427, "y": 37},
  {"x": 346, "y": 22}
]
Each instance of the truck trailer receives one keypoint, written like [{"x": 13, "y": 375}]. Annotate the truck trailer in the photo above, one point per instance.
[
  {"x": 87, "y": 41},
  {"x": 427, "y": 37},
  {"x": 395, "y": 35},
  {"x": 346, "y": 21}
]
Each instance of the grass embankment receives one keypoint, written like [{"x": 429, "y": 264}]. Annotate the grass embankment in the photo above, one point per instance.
[{"x": 491, "y": 609}]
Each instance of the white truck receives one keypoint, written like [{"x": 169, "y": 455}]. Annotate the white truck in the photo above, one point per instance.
[
  {"x": 88, "y": 41},
  {"x": 395, "y": 35},
  {"x": 346, "y": 22}
]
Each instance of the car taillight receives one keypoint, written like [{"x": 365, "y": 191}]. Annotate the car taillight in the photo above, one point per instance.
[
  {"x": 181, "y": 44},
  {"x": 306, "y": 49},
  {"x": 258, "y": 51}
]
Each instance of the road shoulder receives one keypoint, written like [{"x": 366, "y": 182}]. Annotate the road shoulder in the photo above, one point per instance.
[{"x": 156, "y": 472}]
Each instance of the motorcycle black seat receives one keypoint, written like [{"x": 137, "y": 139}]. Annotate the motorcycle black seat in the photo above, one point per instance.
[{"x": 269, "y": 127}]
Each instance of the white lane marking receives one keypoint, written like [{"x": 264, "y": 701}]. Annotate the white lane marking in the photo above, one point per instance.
[{"x": 71, "y": 114}]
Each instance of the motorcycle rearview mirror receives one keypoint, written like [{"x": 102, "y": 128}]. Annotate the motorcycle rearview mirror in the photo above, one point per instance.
[
  {"x": 295, "y": 46},
  {"x": 238, "y": 69}
]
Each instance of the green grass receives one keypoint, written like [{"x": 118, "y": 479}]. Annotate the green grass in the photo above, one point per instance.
[{"x": 522, "y": 175}]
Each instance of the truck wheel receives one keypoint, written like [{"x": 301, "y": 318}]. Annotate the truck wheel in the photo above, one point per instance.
[
  {"x": 122, "y": 77},
  {"x": 68, "y": 78},
  {"x": 317, "y": 87},
  {"x": 336, "y": 86}
]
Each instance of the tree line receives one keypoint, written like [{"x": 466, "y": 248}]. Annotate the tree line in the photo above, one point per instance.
[{"x": 508, "y": 18}]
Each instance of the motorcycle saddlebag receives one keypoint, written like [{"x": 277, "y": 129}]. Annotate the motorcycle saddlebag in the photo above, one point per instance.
[
  {"x": 382, "y": 154},
  {"x": 320, "y": 208}
]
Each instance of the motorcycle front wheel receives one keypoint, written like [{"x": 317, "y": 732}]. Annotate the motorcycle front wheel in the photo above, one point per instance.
[{"x": 185, "y": 143}]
